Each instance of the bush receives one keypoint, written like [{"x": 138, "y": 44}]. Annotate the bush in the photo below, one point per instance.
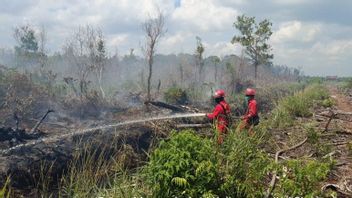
[
  {"x": 245, "y": 167},
  {"x": 298, "y": 105},
  {"x": 300, "y": 178},
  {"x": 348, "y": 84},
  {"x": 176, "y": 95},
  {"x": 327, "y": 103},
  {"x": 185, "y": 165}
]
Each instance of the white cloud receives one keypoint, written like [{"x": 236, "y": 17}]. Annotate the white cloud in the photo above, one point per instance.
[
  {"x": 292, "y": 2},
  {"x": 334, "y": 49},
  {"x": 222, "y": 49},
  {"x": 296, "y": 31},
  {"x": 206, "y": 15}
]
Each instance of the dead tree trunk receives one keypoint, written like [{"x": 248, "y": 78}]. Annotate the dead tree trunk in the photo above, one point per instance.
[
  {"x": 40, "y": 121},
  {"x": 154, "y": 29}
]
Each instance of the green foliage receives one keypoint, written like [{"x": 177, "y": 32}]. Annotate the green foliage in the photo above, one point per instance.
[
  {"x": 312, "y": 135},
  {"x": 254, "y": 37},
  {"x": 298, "y": 105},
  {"x": 314, "y": 80},
  {"x": 268, "y": 96},
  {"x": 316, "y": 92},
  {"x": 176, "y": 95},
  {"x": 244, "y": 166},
  {"x": 301, "y": 178},
  {"x": 348, "y": 84},
  {"x": 280, "y": 118},
  {"x": 327, "y": 103},
  {"x": 185, "y": 165},
  {"x": 26, "y": 38}
]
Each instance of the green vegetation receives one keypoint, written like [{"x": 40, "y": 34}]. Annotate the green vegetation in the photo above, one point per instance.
[
  {"x": 176, "y": 95},
  {"x": 302, "y": 178},
  {"x": 298, "y": 105},
  {"x": 185, "y": 165},
  {"x": 254, "y": 37},
  {"x": 348, "y": 84},
  {"x": 5, "y": 191},
  {"x": 188, "y": 165}
]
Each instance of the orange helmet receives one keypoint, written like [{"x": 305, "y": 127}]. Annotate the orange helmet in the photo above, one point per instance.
[
  {"x": 250, "y": 92},
  {"x": 219, "y": 93}
]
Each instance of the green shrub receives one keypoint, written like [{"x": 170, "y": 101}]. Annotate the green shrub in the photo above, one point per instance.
[
  {"x": 316, "y": 92},
  {"x": 244, "y": 167},
  {"x": 280, "y": 118},
  {"x": 176, "y": 95},
  {"x": 183, "y": 166},
  {"x": 300, "y": 178},
  {"x": 297, "y": 105},
  {"x": 327, "y": 103},
  {"x": 348, "y": 84}
]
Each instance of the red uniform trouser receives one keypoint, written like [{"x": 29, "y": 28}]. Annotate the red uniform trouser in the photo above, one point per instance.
[
  {"x": 245, "y": 125},
  {"x": 222, "y": 131}
]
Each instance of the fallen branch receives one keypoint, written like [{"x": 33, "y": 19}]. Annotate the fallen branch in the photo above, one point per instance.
[
  {"x": 345, "y": 132},
  {"x": 341, "y": 164},
  {"x": 337, "y": 143},
  {"x": 336, "y": 188},
  {"x": 40, "y": 121},
  {"x": 165, "y": 105},
  {"x": 343, "y": 112},
  {"x": 273, "y": 179},
  {"x": 332, "y": 116}
]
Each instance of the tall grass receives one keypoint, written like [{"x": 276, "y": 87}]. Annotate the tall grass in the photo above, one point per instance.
[
  {"x": 298, "y": 105},
  {"x": 5, "y": 191},
  {"x": 89, "y": 170}
]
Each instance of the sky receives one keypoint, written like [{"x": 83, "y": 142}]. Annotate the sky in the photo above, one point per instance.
[{"x": 314, "y": 35}]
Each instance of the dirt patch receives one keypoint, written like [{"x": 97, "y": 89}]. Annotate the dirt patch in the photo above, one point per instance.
[
  {"x": 341, "y": 141},
  {"x": 343, "y": 103}
]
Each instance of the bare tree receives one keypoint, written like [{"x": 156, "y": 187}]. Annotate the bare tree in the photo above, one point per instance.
[
  {"x": 215, "y": 60},
  {"x": 98, "y": 58},
  {"x": 199, "y": 59},
  {"x": 42, "y": 51},
  {"x": 154, "y": 30},
  {"x": 88, "y": 53}
]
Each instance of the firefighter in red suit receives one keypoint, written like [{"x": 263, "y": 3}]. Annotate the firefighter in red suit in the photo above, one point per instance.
[
  {"x": 220, "y": 114},
  {"x": 250, "y": 119}
]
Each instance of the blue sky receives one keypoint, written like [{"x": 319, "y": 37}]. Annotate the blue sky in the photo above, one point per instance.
[{"x": 315, "y": 35}]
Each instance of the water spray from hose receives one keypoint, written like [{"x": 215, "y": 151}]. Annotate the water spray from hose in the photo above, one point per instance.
[{"x": 94, "y": 129}]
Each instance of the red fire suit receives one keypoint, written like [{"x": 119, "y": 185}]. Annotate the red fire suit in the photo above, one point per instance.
[
  {"x": 251, "y": 112},
  {"x": 220, "y": 114}
]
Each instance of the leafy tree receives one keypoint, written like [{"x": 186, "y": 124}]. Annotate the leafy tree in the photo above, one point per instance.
[
  {"x": 26, "y": 39},
  {"x": 254, "y": 37}
]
